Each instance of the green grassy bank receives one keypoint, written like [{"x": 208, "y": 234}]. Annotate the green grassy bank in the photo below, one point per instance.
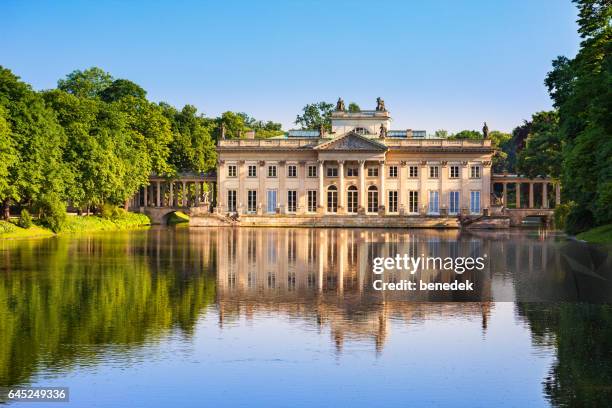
[
  {"x": 597, "y": 235},
  {"x": 74, "y": 224}
]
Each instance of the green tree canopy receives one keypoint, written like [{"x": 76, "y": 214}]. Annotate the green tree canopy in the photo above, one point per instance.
[
  {"x": 353, "y": 107},
  {"x": 541, "y": 155},
  {"x": 120, "y": 88},
  {"x": 88, "y": 84},
  {"x": 315, "y": 115}
]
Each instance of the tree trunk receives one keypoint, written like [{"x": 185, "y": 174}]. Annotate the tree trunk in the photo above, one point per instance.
[
  {"x": 6, "y": 207},
  {"x": 126, "y": 206}
]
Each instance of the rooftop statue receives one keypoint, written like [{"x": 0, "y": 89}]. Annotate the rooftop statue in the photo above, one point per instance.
[
  {"x": 485, "y": 131},
  {"x": 222, "y": 131},
  {"x": 383, "y": 131},
  {"x": 340, "y": 105},
  {"x": 380, "y": 105}
]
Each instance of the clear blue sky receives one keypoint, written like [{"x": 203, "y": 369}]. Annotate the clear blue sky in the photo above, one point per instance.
[{"x": 438, "y": 64}]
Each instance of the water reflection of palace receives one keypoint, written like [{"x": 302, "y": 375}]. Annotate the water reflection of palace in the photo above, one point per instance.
[{"x": 326, "y": 275}]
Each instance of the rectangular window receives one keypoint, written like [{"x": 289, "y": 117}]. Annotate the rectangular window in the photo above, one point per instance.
[
  {"x": 475, "y": 202},
  {"x": 231, "y": 171},
  {"x": 475, "y": 171},
  {"x": 352, "y": 172},
  {"x": 252, "y": 201},
  {"x": 393, "y": 201},
  {"x": 413, "y": 172},
  {"x": 332, "y": 172},
  {"x": 454, "y": 172},
  {"x": 413, "y": 202},
  {"x": 312, "y": 200},
  {"x": 231, "y": 200},
  {"x": 434, "y": 171},
  {"x": 291, "y": 201},
  {"x": 312, "y": 171},
  {"x": 453, "y": 205},
  {"x": 372, "y": 171},
  {"x": 271, "y": 171},
  {"x": 271, "y": 202},
  {"x": 392, "y": 171},
  {"x": 252, "y": 171},
  {"x": 292, "y": 170},
  {"x": 434, "y": 202}
]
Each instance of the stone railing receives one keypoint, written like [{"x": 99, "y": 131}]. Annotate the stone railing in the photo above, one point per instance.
[{"x": 391, "y": 142}]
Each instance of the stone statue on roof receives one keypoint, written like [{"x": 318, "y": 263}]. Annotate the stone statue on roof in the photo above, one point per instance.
[
  {"x": 380, "y": 105},
  {"x": 222, "y": 131},
  {"x": 485, "y": 131},
  {"x": 340, "y": 105},
  {"x": 383, "y": 131}
]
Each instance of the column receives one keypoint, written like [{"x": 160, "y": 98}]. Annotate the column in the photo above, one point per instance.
[
  {"x": 301, "y": 204},
  {"x": 443, "y": 204},
  {"x": 362, "y": 192},
  {"x": 518, "y": 195},
  {"x": 381, "y": 198},
  {"x": 261, "y": 193},
  {"x": 545, "y": 194},
  {"x": 197, "y": 193},
  {"x": 505, "y": 194},
  {"x": 158, "y": 201},
  {"x": 402, "y": 191},
  {"x": 241, "y": 193},
  {"x": 464, "y": 199},
  {"x": 170, "y": 199},
  {"x": 146, "y": 196},
  {"x": 282, "y": 193},
  {"x": 341, "y": 193},
  {"x": 184, "y": 203},
  {"x": 423, "y": 198},
  {"x": 557, "y": 193},
  {"x": 530, "y": 195},
  {"x": 321, "y": 186},
  {"x": 220, "y": 183},
  {"x": 485, "y": 195}
]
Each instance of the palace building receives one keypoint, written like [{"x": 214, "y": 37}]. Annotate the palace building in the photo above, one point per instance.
[{"x": 361, "y": 168}]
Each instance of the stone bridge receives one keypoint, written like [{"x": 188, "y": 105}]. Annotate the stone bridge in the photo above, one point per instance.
[
  {"x": 189, "y": 193},
  {"x": 538, "y": 201}
]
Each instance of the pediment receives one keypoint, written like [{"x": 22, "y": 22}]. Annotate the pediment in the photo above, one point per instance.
[{"x": 352, "y": 142}]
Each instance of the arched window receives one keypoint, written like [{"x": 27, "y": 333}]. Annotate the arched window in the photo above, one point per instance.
[
  {"x": 372, "y": 199},
  {"x": 352, "y": 199},
  {"x": 360, "y": 130},
  {"x": 332, "y": 199}
]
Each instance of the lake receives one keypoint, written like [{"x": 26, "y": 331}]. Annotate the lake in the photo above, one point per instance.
[{"x": 289, "y": 317}]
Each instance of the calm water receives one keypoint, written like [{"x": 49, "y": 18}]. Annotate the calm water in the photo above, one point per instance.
[{"x": 288, "y": 317}]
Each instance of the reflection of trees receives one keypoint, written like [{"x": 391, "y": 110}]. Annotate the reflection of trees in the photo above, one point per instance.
[
  {"x": 582, "y": 334},
  {"x": 97, "y": 291}
]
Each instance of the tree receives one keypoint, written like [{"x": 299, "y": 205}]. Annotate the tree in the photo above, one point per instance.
[
  {"x": 581, "y": 90},
  {"x": 88, "y": 84},
  {"x": 38, "y": 139},
  {"x": 501, "y": 142},
  {"x": 542, "y": 153},
  {"x": 8, "y": 158},
  {"x": 441, "y": 133},
  {"x": 353, "y": 107},
  {"x": 467, "y": 134},
  {"x": 120, "y": 88},
  {"x": 316, "y": 115}
]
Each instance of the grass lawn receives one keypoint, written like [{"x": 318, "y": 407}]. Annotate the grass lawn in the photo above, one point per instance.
[
  {"x": 74, "y": 224},
  {"x": 597, "y": 235}
]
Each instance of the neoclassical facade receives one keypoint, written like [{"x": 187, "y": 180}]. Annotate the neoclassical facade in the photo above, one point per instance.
[{"x": 360, "y": 168}]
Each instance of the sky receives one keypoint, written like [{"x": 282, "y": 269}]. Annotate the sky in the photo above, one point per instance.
[{"x": 437, "y": 64}]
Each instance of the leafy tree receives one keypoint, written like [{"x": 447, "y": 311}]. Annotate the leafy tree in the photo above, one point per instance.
[
  {"x": 89, "y": 83},
  {"x": 316, "y": 115},
  {"x": 38, "y": 139},
  {"x": 8, "y": 158},
  {"x": 192, "y": 147},
  {"x": 542, "y": 153},
  {"x": 501, "y": 141},
  {"x": 467, "y": 134},
  {"x": 120, "y": 88},
  {"x": 263, "y": 130},
  {"x": 581, "y": 89},
  {"x": 233, "y": 123},
  {"x": 441, "y": 133},
  {"x": 353, "y": 107}
]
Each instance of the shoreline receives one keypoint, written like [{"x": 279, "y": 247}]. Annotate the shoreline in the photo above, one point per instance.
[{"x": 74, "y": 225}]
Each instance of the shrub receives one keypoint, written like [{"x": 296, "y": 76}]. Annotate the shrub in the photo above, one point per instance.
[
  {"x": 561, "y": 213},
  {"x": 106, "y": 211},
  {"x": 579, "y": 219},
  {"x": 25, "y": 219},
  {"x": 53, "y": 212}
]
